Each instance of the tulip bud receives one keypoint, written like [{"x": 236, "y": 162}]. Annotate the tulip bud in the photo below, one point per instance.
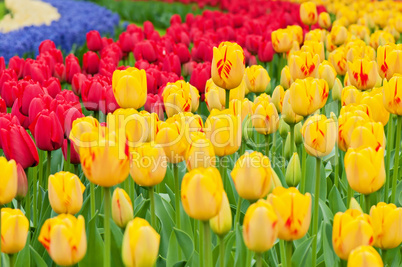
[
  {"x": 222, "y": 223},
  {"x": 260, "y": 226},
  {"x": 200, "y": 152},
  {"x": 64, "y": 239},
  {"x": 22, "y": 187},
  {"x": 195, "y": 98},
  {"x": 265, "y": 118},
  {"x": 288, "y": 115},
  {"x": 337, "y": 90},
  {"x": 122, "y": 208},
  {"x": 365, "y": 256},
  {"x": 324, "y": 20},
  {"x": 282, "y": 40},
  {"x": 247, "y": 129},
  {"x": 288, "y": 147},
  {"x": 14, "y": 230},
  {"x": 252, "y": 174},
  {"x": 303, "y": 64},
  {"x": 201, "y": 193},
  {"x": 338, "y": 34},
  {"x": 293, "y": 210},
  {"x": 351, "y": 229},
  {"x": 308, "y": 13},
  {"x": 284, "y": 128},
  {"x": 275, "y": 182},
  {"x": 257, "y": 79},
  {"x": 293, "y": 171},
  {"x": 140, "y": 244},
  {"x": 65, "y": 192},
  {"x": 277, "y": 97},
  {"x": 327, "y": 72},
  {"x": 354, "y": 205},
  {"x": 298, "y": 135},
  {"x": 286, "y": 78},
  {"x": 9, "y": 180}
]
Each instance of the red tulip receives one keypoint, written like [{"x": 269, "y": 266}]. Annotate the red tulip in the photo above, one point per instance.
[
  {"x": 52, "y": 86},
  {"x": 15, "y": 111},
  {"x": 22, "y": 187},
  {"x": 28, "y": 91},
  {"x": 266, "y": 51},
  {"x": 127, "y": 41},
  {"x": 37, "y": 70},
  {"x": 154, "y": 104},
  {"x": 90, "y": 62},
  {"x": 182, "y": 51},
  {"x": 153, "y": 78},
  {"x": 19, "y": 146},
  {"x": 47, "y": 59},
  {"x": 10, "y": 92},
  {"x": 107, "y": 66},
  {"x": 202, "y": 50},
  {"x": 175, "y": 19},
  {"x": 7, "y": 75},
  {"x": 113, "y": 51},
  {"x": 94, "y": 41},
  {"x": 200, "y": 75},
  {"x": 142, "y": 64},
  {"x": 2, "y": 64},
  {"x": 17, "y": 64},
  {"x": 253, "y": 42},
  {"x": 145, "y": 50},
  {"x": 46, "y": 45},
  {"x": 148, "y": 28},
  {"x": 77, "y": 81},
  {"x": 74, "y": 156},
  {"x": 60, "y": 72},
  {"x": 72, "y": 67},
  {"x": 171, "y": 63},
  {"x": 188, "y": 68},
  {"x": 3, "y": 106},
  {"x": 5, "y": 120},
  {"x": 47, "y": 131},
  {"x": 67, "y": 110},
  {"x": 38, "y": 104}
]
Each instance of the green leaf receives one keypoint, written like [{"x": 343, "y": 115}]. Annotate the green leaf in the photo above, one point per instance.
[
  {"x": 172, "y": 253},
  {"x": 185, "y": 242},
  {"x": 302, "y": 254},
  {"x": 329, "y": 256},
  {"x": 24, "y": 257},
  {"x": 335, "y": 201},
  {"x": 39, "y": 262},
  {"x": 165, "y": 214},
  {"x": 94, "y": 256},
  {"x": 241, "y": 250},
  {"x": 117, "y": 242},
  {"x": 141, "y": 206},
  {"x": 326, "y": 212}
]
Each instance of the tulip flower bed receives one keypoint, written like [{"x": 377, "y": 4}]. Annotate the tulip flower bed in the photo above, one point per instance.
[{"x": 180, "y": 150}]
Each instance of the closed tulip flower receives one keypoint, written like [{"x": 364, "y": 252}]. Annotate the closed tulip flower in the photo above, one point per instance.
[
  {"x": 347, "y": 122},
  {"x": 363, "y": 73},
  {"x": 9, "y": 180},
  {"x": 379, "y": 38},
  {"x": 148, "y": 164},
  {"x": 130, "y": 87},
  {"x": 64, "y": 239},
  {"x": 293, "y": 171},
  {"x": 14, "y": 230},
  {"x": 260, "y": 226},
  {"x": 200, "y": 152},
  {"x": 327, "y": 72},
  {"x": 288, "y": 115},
  {"x": 324, "y": 20},
  {"x": 365, "y": 256},
  {"x": 282, "y": 40},
  {"x": 242, "y": 108},
  {"x": 364, "y": 168},
  {"x": 317, "y": 35},
  {"x": 257, "y": 79},
  {"x": 252, "y": 175},
  {"x": 214, "y": 96},
  {"x": 374, "y": 100},
  {"x": 297, "y": 33},
  {"x": 65, "y": 192},
  {"x": 195, "y": 98},
  {"x": 188, "y": 123},
  {"x": 351, "y": 229},
  {"x": 224, "y": 131},
  {"x": 103, "y": 159},
  {"x": 338, "y": 59},
  {"x": 350, "y": 95},
  {"x": 22, "y": 187},
  {"x": 319, "y": 134},
  {"x": 314, "y": 47},
  {"x": 388, "y": 59},
  {"x": 338, "y": 34},
  {"x": 337, "y": 90},
  {"x": 47, "y": 131},
  {"x": 122, "y": 208},
  {"x": 265, "y": 118},
  {"x": 201, "y": 193},
  {"x": 140, "y": 244},
  {"x": 222, "y": 223},
  {"x": 227, "y": 65},
  {"x": 308, "y": 95},
  {"x": 308, "y": 13},
  {"x": 387, "y": 225},
  {"x": 177, "y": 97},
  {"x": 293, "y": 210},
  {"x": 170, "y": 136},
  {"x": 277, "y": 97},
  {"x": 81, "y": 126},
  {"x": 392, "y": 94},
  {"x": 303, "y": 64},
  {"x": 369, "y": 134},
  {"x": 286, "y": 79}
]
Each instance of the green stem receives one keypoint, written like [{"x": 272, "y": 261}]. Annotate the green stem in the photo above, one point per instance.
[
  {"x": 283, "y": 252},
  {"x": 248, "y": 258},
  {"x": 390, "y": 144},
  {"x": 258, "y": 257},
  {"x": 396, "y": 165},
  {"x": 68, "y": 160},
  {"x": 349, "y": 196},
  {"x": 289, "y": 252},
  {"x": 242, "y": 147},
  {"x": 201, "y": 248},
  {"x": 316, "y": 203},
  {"x": 76, "y": 170},
  {"x": 207, "y": 244},
  {"x": 92, "y": 193},
  {"x": 283, "y": 155},
  {"x": 35, "y": 200},
  {"x": 12, "y": 257},
  {"x": 28, "y": 197},
  {"x": 367, "y": 203},
  {"x": 227, "y": 98},
  {"x": 40, "y": 167},
  {"x": 107, "y": 226},
  {"x": 273, "y": 154},
  {"x": 177, "y": 193},
  {"x": 292, "y": 139},
  {"x": 222, "y": 169},
  {"x": 49, "y": 163},
  {"x": 237, "y": 217},
  {"x": 222, "y": 251},
  {"x": 384, "y": 256},
  {"x": 96, "y": 115},
  {"x": 152, "y": 200},
  {"x": 336, "y": 178},
  {"x": 267, "y": 137},
  {"x": 303, "y": 179}
]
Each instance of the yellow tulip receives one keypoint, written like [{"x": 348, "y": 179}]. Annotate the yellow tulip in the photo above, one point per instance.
[
  {"x": 358, "y": 50},
  {"x": 177, "y": 97},
  {"x": 200, "y": 152},
  {"x": 252, "y": 175},
  {"x": 365, "y": 256},
  {"x": 227, "y": 67},
  {"x": 122, "y": 208},
  {"x": 148, "y": 164},
  {"x": 388, "y": 59},
  {"x": 222, "y": 223},
  {"x": 260, "y": 226},
  {"x": 277, "y": 97},
  {"x": 293, "y": 171},
  {"x": 201, "y": 193},
  {"x": 188, "y": 123},
  {"x": 170, "y": 135},
  {"x": 282, "y": 40},
  {"x": 392, "y": 95},
  {"x": 9, "y": 180},
  {"x": 238, "y": 92},
  {"x": 368, "y": 134},
  {"x": 288, "y": 115},
  {"x": 337, "y": 90},
  {"x": 130, "y": 87},
  {"x": 351, "y": 229},
  {"x": 317, "y": 35},
  {"x": 308, "y": 13},
  {"x": 81, "y": 126},
  {"x": 327, "y": 72},
  {"x": 363, "y": 73},
  {"x": 324, "y": 20},
  {"x": 257, "y": 79},
  {"x": 215, "y": 97},
  {"x": 338, "y": 34},
  {"x": 314, "y": 47},
  {"x": 360, "y": 31},
  {"x": 140, "y": 244},
  {"x": 308, "y": 95},
  {"x": 364, "y": 168},
  {"x": 319, "y": 134},
  {"x": 347, "y": 122},
  {"x": 338, "y": 59},
  {"x": 303, "y": 64},
  {"x": 64, "y": 239},
  {"x": 104, "y": 161},
  {"x": 65, "y": 192},
  {"x": 387, "y": 225},
  {"x": 14, "y": 230},
  {"x": 223, "y": 129},
  {"x": 293, "y": 210},
  {"x": 379, "y": 38},
  {"x": 242, "y": 108},
  {"x": 329, "y": 45},
  {"x": 286, "y": 78},
  {"x": 265, "y": 117},
  {"x": 297, "y": 33},
  {"x": 350, "y": 95},
  {"x": 195, "y": 98}
]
